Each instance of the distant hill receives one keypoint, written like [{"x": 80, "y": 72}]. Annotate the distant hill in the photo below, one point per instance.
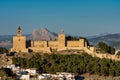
[
  {"x": 42, "y": 34},
  {"x": 6, "y": 41},
  {"x": 110, "y": 39},
  {"x": 6, "y": 37}
]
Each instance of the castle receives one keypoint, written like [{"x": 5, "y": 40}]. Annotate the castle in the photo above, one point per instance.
[{"x": 19, "y": 44}]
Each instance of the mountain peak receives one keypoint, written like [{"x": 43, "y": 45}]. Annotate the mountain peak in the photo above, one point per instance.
[
  {"x": 44, "y": 29},
  {"x": 43, "y": 34}
]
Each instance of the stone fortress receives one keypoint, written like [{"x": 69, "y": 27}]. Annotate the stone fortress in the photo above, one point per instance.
[{"x": 19, "y": 44}]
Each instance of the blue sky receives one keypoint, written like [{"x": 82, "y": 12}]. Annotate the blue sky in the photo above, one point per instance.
[{"x": 76, "y": 17}]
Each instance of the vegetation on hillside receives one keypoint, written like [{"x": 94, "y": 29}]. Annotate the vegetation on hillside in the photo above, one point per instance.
[
  {"x": 3, "y": 50},
  {"x": 103, "y": 47},
  {"x": 6, "y": 74},
  {"x": 75, "y": 38},
  {"x": 75, "y": 63},
  {"x": 72, "y": 38}
]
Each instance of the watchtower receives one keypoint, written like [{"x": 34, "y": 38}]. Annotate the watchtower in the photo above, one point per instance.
[
  {"x": 19, "y": 42},
  {"x": 61, "y": 39}
]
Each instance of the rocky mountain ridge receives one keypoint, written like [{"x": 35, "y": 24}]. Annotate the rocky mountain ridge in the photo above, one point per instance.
[{"x": 42, "y": 34}]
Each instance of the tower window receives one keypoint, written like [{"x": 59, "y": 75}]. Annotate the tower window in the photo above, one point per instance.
[{"x": 18, "y": 39}]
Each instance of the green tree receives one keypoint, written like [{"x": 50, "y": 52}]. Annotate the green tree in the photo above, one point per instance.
[
  {"x": 8, "y": 71},
  {"x": 2, "y": 73},
  {"x": 3, "y": 50},
  {"x": 105, "y": 48},
  {"x": 72, "y": 38},
  {"x": 111, "y": 50}
]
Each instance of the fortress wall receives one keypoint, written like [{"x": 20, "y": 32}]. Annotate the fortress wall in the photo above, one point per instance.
[
  {"x": 39, "y": 43},
  {"x": 75, "y": 48},
  {"x": 92, "y": 48},
  {"x": 82, "y": 43},
  {"x": 19, "y": 50},
  {"x": 40, "y": 49},
  {"x": 24, "y": 50},
  {"x": 53, "y": 44},
  {"x": 70, "y": 48},
  {"x": 105, "y": 55},
  {"x": 73, "y": 43}
]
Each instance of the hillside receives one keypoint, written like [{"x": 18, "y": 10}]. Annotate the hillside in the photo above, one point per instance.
[
  {"x": 6, "y": 41},
  {"x": 110, "y": 39},
  {"x": 75, "y": 63}
]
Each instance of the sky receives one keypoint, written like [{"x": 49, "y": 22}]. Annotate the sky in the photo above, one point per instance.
[{"x": 75, "y": 17}]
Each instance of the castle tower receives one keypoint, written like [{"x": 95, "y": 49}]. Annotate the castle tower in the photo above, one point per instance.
[
  {"x": 19, "y": 31},
  {"x": 82, "y": 43},
  {"x": 19, "y": 42},
  {"x": 61, "y": 40}
]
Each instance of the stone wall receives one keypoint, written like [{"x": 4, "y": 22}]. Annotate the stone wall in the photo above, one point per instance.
[
  {"x": 73, "y": 43},
  {"x": 82, "y": 43},
  {"x": 92, "y": 48},
  {"x": 39, "y": 44},
  {"x": 53, "y": 44},
  {"x": 40, "y": 49}
]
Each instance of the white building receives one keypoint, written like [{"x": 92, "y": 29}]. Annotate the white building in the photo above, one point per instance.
[
  {"x": 25, "y": 77},
  {"x": 40, "y": 77},
  {"x": 44, "y": 76},
  {"x": 67, "y": 76},
  {"x": 31, "y": 71}
]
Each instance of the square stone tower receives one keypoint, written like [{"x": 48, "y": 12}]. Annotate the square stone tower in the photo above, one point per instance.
[
  {"x": 83, "y": 43},
  {"x": 61, "y": 40},
  {"x": 19, "y": 42}
]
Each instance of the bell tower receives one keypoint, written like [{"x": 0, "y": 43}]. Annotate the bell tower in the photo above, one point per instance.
[{"x": 19, "y": 31}]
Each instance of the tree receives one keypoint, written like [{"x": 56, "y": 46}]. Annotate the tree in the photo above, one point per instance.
[
  {"x": 105, "y": 48},
  {"x": 3, "y": 50},
  {"x": 8, "y": 71},
  {"x": 72, "y": 38},
  {"x": 2, "y": 73},
  {"x": 111, "y": 50}
]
